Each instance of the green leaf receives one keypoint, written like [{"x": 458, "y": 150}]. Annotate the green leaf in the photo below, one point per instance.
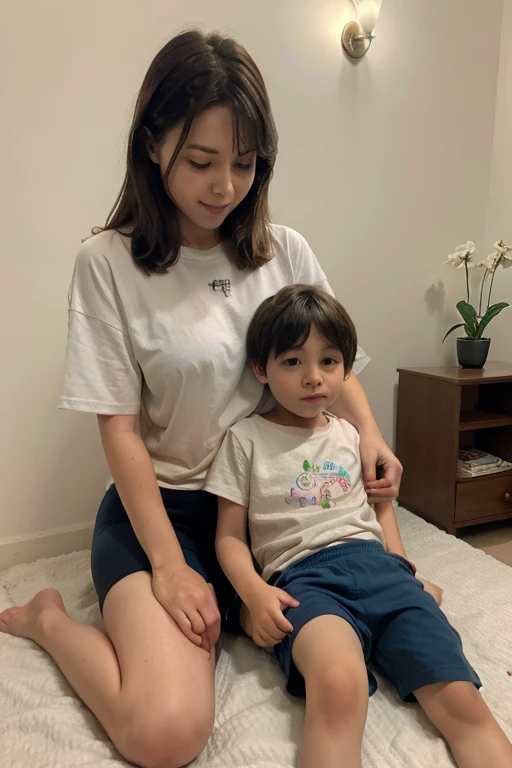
[
  {"x": 468, "y": 314},
  {"x": 497, "y": 307},
  {"x": 470, "y": 322},
  {"x": 305, "y": 466},
  {"x": 466, "y": 310},
  {"x": 459, "y": 325},
  {"x": 491, "y": 313}
]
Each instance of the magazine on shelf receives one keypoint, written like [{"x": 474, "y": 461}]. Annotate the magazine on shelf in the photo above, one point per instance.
[{"x": 476, "y": 463}]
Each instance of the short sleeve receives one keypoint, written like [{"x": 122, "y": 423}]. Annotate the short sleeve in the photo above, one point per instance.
[
  {"x": 101, "y": 373},
  {"x": 309, "y": 271},
  {"x": 229, "y": 474}
]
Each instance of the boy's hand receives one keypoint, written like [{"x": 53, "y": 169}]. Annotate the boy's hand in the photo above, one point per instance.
[
  {"x": 432, "y": 589},
  {"x": 265, "y": 623}
]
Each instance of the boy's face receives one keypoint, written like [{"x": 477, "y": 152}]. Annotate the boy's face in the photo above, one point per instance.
[{"x": 305, "y": 381}]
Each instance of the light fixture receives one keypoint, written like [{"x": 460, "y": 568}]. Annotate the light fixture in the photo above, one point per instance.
[{"x": 357, "y": 36}]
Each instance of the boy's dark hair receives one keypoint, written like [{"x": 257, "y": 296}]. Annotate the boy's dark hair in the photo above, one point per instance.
[
  {"x": 192, "y": 73},
  {"x": 283, "y": 322}
]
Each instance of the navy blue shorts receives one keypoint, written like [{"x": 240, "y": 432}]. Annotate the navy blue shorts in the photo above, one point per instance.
[
  {"x": 402, "y": 630},
  {"x": 116, "y": 551}
]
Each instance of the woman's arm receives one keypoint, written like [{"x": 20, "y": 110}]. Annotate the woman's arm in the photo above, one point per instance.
[
  {"x": 135, "y": 479},
  {"x": 352, "y": 405},
  {"x": 183, "y": 593}
]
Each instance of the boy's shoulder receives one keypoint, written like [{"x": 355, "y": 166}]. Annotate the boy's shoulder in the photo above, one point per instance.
[
  {"x": 246, "y": 428},
  {"x": 257, "y": 425},
  {"x": 343, "y": 426}
]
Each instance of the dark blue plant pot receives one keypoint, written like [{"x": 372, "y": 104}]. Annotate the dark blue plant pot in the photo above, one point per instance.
[{"x": 472, "y": 353}]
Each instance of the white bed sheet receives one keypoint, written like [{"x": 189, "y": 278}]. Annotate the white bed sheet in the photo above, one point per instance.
[{"x": 44, "y": 725}]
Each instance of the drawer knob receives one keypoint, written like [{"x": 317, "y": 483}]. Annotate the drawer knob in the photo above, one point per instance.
[{"x": 508, "y": 497}]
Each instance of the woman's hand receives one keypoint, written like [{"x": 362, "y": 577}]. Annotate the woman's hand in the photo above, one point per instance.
[
  {"x": 375, "y": 452},
  {"x": 264, "y": 620},
  {"x": 190, "y": 601}
]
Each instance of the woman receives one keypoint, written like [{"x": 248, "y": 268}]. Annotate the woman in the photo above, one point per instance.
[{"x": 160, "y": 303}]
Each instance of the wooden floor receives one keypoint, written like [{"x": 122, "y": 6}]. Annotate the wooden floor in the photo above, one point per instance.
[{"x": 494, "y": 538}]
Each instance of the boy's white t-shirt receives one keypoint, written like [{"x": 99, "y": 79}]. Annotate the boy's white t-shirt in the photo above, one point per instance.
[
  {"x": 303, "y": 488},
  {"x": 172, "y": 346}
]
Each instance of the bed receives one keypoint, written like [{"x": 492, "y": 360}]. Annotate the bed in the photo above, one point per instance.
[{"x": 43, "y": 724}]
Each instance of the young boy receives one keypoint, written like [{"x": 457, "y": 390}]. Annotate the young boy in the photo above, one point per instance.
[{"x": 334, "y": 594}]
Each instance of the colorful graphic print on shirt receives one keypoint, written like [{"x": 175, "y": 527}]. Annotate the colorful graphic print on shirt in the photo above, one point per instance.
[{"x": 319, "y": 487}]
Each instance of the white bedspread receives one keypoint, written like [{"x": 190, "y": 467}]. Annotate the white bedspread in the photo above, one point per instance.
[{"x": 44, "y": 725}]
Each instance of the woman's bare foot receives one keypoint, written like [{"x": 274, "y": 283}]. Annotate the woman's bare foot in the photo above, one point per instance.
[{"x": 26, "y": 621}]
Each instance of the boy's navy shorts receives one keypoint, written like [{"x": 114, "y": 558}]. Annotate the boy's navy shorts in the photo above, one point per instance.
[
  {"x": 116, "y": 551},
  {"x": 402, "y": 630}
]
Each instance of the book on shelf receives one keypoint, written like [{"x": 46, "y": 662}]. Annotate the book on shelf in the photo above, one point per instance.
[{"x": 476, "y": 463}]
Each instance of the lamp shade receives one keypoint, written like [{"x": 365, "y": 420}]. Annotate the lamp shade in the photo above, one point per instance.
[{"x": 368, "y": 13}]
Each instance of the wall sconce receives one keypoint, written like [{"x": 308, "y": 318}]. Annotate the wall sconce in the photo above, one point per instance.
[{"x": 357, "y": 36}]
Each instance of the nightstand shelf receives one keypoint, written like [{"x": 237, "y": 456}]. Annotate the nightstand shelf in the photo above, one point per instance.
[{"x": 443, "y": 410}]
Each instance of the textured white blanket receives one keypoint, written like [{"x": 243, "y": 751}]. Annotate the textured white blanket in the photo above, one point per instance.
[{"x": 44, "y": 725}]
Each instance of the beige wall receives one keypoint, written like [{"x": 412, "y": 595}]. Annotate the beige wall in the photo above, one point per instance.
[
  {"x": 499, "y": 212},
  {"x": 384, "y": 166}
]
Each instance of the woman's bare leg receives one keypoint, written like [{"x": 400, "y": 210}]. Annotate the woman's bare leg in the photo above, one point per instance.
[{"x": 150, "y": 687}]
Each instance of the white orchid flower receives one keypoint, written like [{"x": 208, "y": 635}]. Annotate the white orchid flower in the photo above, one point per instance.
[
  {"x": 491, "y": 262},
  {"x": 502, "y": 248},
  {"x": 500, "y": 256},
  {"x": 454, "y": 261},
  {"x": 466, "y": 249},
  {"x": 502, "y": 251},
  {"x": 461, "y": 256}
]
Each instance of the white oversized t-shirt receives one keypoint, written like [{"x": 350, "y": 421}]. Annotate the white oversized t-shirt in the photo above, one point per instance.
[
  {"x": 303, "y": 488},
  {"x": 172, "y": 346}
]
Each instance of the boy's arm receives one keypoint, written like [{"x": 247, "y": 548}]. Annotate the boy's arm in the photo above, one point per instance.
[
  {"x": 266, "y": 623},
  {"x": 387, "y": 520},
  {"x": 233, "y": 551}
]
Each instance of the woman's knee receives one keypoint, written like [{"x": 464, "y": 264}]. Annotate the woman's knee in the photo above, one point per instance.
[{"x": 169, "y": 738}]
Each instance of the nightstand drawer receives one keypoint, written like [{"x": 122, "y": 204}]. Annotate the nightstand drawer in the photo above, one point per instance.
[{"x": 485, "y": 497}]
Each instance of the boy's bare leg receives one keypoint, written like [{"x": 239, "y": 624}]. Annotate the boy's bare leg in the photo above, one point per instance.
[
  {"x": 458, "y": 710},
  {"x": 328, "y": 654}
]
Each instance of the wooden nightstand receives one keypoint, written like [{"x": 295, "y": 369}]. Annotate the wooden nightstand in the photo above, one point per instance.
[{"x": 441, "y": 410}]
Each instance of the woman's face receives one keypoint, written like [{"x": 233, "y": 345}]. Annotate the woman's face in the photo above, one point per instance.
[{"x": 208, "y": 178}]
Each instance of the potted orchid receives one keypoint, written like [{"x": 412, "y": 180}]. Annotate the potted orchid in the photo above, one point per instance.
[{"x": 472, "y": 350}]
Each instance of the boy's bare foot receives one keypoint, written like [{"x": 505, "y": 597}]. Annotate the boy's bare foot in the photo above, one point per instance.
[{"x": 26, "y": 620}]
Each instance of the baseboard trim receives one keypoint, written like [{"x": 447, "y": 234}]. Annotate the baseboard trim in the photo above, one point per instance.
[{"x": 27, "y": 549}]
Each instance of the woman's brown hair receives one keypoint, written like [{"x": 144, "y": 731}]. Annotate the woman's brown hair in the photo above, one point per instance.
[{"x": 193, "y": 72}]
